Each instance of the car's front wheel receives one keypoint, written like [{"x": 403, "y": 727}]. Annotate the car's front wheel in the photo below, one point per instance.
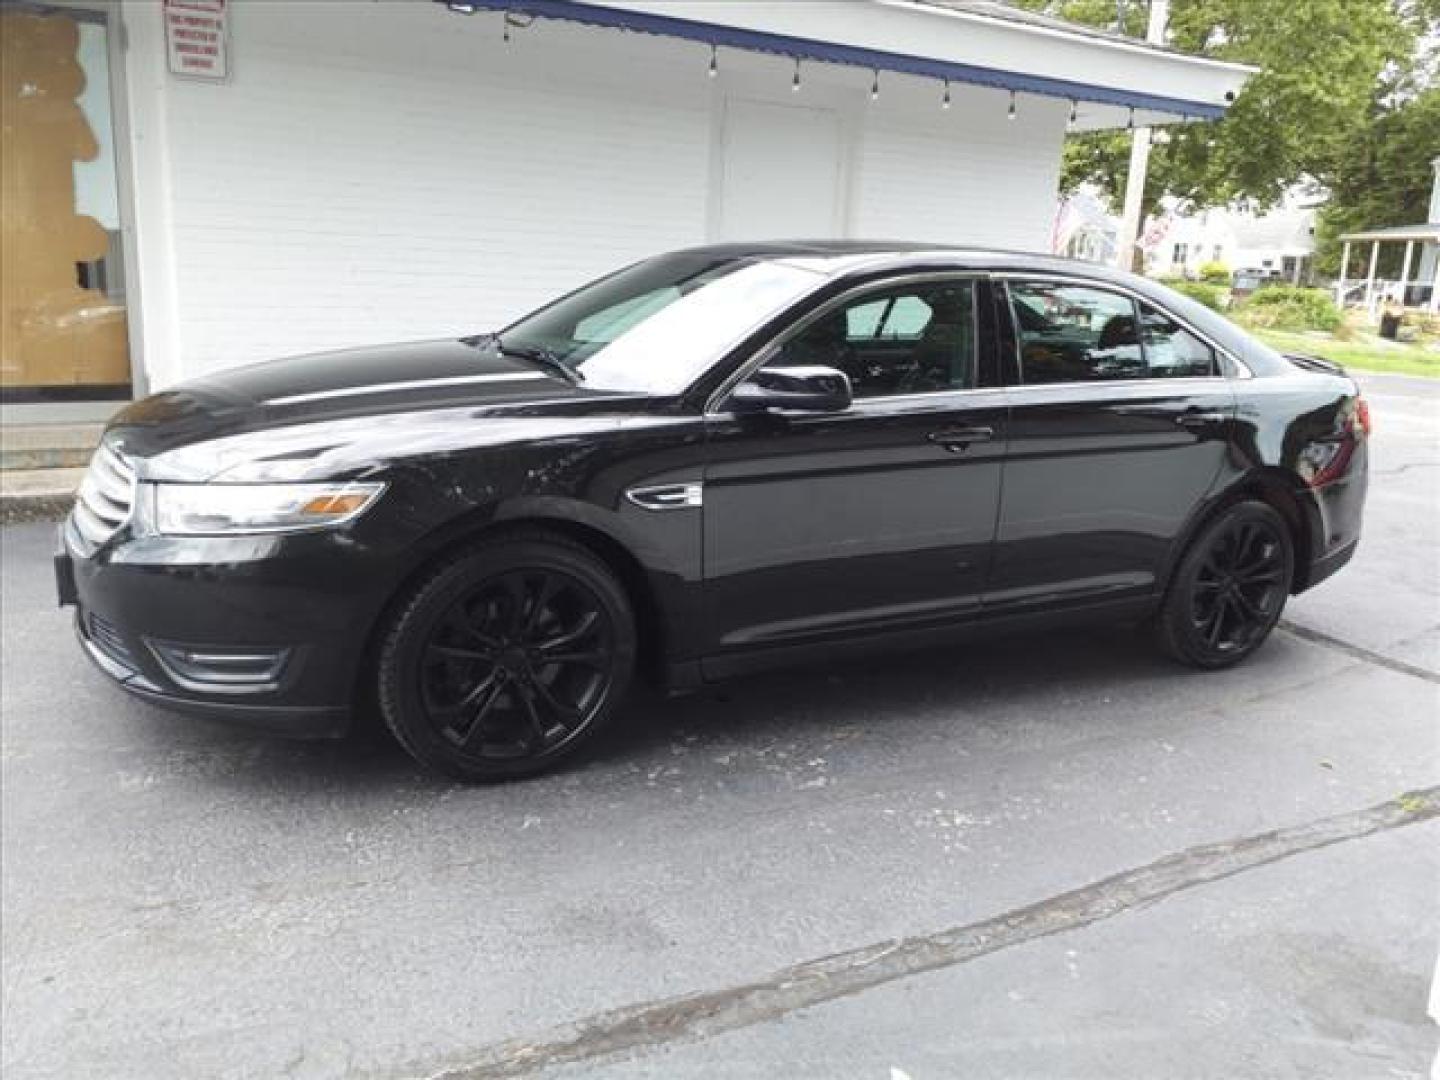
[
  {"x": 1229, "y": 589},
  {"x": 507, "y": 659}
]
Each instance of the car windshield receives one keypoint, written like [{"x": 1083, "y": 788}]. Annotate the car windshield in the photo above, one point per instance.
[{"x": 658, "y": 325}]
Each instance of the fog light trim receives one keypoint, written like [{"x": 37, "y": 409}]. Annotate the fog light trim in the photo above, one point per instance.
[{"x": 210, "y": 670}]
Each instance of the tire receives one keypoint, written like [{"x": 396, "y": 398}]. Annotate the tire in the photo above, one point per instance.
[
  {"x": 1230, "y": 588},
  {"x": 508, "y": 659}
]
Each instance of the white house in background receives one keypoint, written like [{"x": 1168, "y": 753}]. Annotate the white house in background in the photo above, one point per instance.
[
  {"x": 1279, "y": 244},
  {"x": 283, "y": 177},
  {"x": 1085, "y": 228}
]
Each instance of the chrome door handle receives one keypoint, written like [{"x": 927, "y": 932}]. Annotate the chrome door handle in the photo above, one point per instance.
[
  {"x": 958, "y": 440},
  {"x": 1200, "y": 419}
]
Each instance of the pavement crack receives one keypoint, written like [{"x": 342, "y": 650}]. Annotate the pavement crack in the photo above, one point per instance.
[
  {"x": 691, "y": 1017},
  {"x": 1405, "y": 468},
  {"x": 1358, "y": 652}
]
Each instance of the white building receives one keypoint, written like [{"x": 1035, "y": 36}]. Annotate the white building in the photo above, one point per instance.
[
  {"x": 1278, "y": 244},
  {"x": 287, "y": 177}
]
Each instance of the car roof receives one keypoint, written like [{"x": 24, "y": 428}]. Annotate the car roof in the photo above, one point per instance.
[{"x": 843, "y": 256}]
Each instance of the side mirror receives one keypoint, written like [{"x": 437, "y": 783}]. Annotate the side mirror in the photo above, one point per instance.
[{"x": 805, "y": 389}]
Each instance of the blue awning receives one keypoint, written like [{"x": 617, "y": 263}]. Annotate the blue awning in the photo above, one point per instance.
[{"x": 827, "y": 52}]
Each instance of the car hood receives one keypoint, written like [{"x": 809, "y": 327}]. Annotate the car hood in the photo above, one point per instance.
[{"x": 391, "y": 398}]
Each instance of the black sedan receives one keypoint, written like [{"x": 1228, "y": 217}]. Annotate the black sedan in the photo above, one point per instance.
[{"x": 706, "y": 463}]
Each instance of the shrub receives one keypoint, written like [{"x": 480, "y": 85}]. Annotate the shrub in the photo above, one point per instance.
[
  {"x": 1215, "y": 273},
  {"x": 1285, "y": 307},
  {"x": 1426, "y": 325},
  {"x": 1212, "y": 296}
]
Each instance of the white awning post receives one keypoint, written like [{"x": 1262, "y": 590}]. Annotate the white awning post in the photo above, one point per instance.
[
  {"x": 1370, "y": 279},
  {"x": 1130, "y": 222},
  {"x": 1344, "y": 266},
  {"x": 1405, "y": 269}
]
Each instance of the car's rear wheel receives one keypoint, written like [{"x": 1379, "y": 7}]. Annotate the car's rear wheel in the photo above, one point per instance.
[
  {"x": 507, "y": 659},
  {"x": 1229, "y": 589}
]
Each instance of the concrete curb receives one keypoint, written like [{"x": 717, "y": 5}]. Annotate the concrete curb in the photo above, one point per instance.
[
  {"x": 28, "y": 509},
  {"x": 30, "y": 495}
]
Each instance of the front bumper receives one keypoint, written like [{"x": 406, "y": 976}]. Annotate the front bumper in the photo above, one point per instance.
[
  {"x": 188, "y": 624},
  {"x": 296, "y": 722}
]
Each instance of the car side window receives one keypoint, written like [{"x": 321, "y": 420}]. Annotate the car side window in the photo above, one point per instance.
[
  {"x": 904, "y": 339},
  {"x": 1171, "y": 351},
  {"x": 1075, "y": 333}
]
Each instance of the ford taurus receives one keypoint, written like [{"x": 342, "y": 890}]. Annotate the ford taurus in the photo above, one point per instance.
[{"x": 708, "y": 462}]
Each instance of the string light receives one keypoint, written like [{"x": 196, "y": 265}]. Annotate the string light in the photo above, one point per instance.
[
  {"x": 875, "y": 86},
  {"x": 795, "y": 82},
  {"x": 1011, "y": 113},
  {"x": 714, "y": 61},
  {"x": 945, "y": 101}
]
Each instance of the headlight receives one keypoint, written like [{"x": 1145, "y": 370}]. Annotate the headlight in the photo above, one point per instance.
[{"x": 229, "y": 509}]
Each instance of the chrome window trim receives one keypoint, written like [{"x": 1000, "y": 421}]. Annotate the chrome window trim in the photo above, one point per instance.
[
  {"x": 1242, "y": 370},
  {"x": 763, "y": 354},
  {"x": 931, "y": 395},
  {"x": 1101, "y": 384}
]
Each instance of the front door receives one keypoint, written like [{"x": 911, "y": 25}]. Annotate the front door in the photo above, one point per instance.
[
  {"x": 881, "y": 517},
  {"x": 62, "y": 282},
  {"x": 1119, "y": 427}
]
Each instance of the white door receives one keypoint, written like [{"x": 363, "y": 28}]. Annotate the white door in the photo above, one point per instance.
[{"x": 781, "y": 168}]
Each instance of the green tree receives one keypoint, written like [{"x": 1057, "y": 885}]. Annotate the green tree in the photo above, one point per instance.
[
  {"x": 1324, "y": 68},
  {"x": 1382, "y": 177}
]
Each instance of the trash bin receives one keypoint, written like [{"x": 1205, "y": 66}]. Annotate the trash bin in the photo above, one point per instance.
[{"x": 1390, "y": 325}]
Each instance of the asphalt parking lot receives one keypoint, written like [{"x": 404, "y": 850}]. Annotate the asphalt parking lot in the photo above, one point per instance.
[{"x": 1055, "y": 856}]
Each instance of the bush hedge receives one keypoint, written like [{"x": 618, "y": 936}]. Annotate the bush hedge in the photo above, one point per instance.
[
  {"x": 1215, "y": 273},
  {"x": 1286, "y": 307},
  {"x": 1212, "y": 296}
]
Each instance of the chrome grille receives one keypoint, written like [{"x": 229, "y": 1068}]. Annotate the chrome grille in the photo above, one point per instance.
[{"x": 105, "y": 497}]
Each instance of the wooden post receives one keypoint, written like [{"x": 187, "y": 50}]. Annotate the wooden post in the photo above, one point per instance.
[
  {"x": 1370, "y": 279},
  {"x": 1405, "y": 269},
  {"x": 1340, "y": 285},
  {"x": 1435, "y": 292}
]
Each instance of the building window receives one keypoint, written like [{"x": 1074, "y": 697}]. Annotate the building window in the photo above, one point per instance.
[
  {"x": 1178, "y": 255},
  {"x": 62, "y": 295}
]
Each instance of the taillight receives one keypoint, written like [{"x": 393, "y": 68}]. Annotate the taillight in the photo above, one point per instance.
[{"x": 1362, "y": 415}]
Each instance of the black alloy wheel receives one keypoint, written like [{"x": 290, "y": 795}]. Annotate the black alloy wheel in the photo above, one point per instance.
[
  {"x": 1230, "y": 588},
  {"x": 507, "y": 659}
]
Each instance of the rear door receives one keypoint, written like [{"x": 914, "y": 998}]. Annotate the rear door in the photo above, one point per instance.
[
  {"x": 878, "y": 518},
  {"x": 1119, "y": 424}
]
